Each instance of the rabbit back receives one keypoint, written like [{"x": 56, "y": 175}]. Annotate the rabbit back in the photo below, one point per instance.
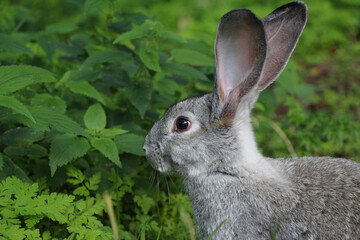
[{"x": 328, "y": 196}]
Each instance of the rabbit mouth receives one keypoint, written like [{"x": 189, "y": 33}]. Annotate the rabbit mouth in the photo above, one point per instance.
[{"x": 160, "y": 163}]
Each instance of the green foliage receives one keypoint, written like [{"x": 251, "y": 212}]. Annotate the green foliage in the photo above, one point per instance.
[{"x": 82, "y": 82}]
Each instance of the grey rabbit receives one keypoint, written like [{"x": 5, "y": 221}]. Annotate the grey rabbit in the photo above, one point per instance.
[{"x": 209, "y": 142}]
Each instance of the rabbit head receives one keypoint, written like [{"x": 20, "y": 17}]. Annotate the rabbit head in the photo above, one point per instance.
[{"x": 213, "y": 132}]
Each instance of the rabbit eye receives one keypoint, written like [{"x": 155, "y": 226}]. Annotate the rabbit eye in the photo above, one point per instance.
[{"x": 182, "y": 124}]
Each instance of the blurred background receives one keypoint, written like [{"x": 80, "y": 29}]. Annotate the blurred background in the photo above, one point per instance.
[{"x": 135, "y": 58}]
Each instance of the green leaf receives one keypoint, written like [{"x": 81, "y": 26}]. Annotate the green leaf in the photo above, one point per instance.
[
  {"x": 65, "y": 148},
  {"x": 111, "y": 132},
  {"x": 107, "y": 147},
  {"x": 52, "y": 102},
  {"x": 85, "y": 88},
  {"x": 130, "y": 143},
  {"x": 33, "y": 150},
  {"x": 135, "y": 33},
  {"x": 21, "y": 136},
  {"x": 76, "y": 176},
  {"x": 94, "y": 181},
  {"x": 1, "y": 162},
  {"x": 10, "y": 44},
  {"x": 183, "y": 70},
  {"x": 95, "y": 118},
  {"x": 11, "y": 169},
  {"x": 81, "y": 191},
  {"x": 14, "y": 104},
  {"x": 13, "y": 78},
  {"x": 93, "y": 6},
  {"x": 150, "y": 59},
  {"x": 144, "y": 202},
  {"x": 139, "y": 95},
  {"x": 61, "y": 28},
  {"x": 192, "y": 57},
  {"x": 46, "y": 118},
  {"x": 105, "y": 56}
]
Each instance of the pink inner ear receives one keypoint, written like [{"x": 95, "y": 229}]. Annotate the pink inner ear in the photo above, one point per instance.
[
  {"x": 221, "y": 78},
  {"x": 236, "y": 54}
]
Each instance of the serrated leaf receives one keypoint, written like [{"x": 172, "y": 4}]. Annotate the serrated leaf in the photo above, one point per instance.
[
  {"x": 85, "y": 88},
  {"x": 81, "y": 191},
  {"x": 11, "y": 169},
  {"x": 139, "y": 95},
  {"x": 10, "y": 44},
  {"x": 1, "y": 162},
  {"x": 111, "y": 132},
  {"x": 14, "y": 104},
  {"x": 150, "y": 59},
  {"x": 83, "y": 75},
  {"x": 21, "y": 136},
  {"x": 52, "y": 102},
  {"x": 13, "y": 78},
  {"x": 61, "y": 28},
  {"x": 133, "y": 34},
  {"x": 94, "y": 181},
  {"x": 183, "y": 70},
  {"x": 46, "y": 118},
  {"x": 130, "y": 143},
  {"x": 105, "y": 56},
  {"x": 192, "y": 57},
  {"x": 64, "y": 149},
  {"x": 33, "y": 150},
  {"x": 95, "y": 118},
  {"x": 77, "y": 177},
  {"x": 92, "y": 6},
  {"x": 107, "y": 147}
]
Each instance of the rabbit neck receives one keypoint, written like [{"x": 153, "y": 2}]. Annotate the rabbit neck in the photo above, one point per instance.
[{"x": 248, "y": 160}]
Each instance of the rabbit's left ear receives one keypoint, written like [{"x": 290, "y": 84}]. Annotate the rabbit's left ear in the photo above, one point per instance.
[
  {"x": 240, "y": 50},
  {"x": 283, "y": 28}
]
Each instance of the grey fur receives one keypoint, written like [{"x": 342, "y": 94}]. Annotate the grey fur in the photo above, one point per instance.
[{"x": 227, "y": 178}]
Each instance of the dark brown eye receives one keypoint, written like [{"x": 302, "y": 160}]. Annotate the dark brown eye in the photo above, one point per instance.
[{"x": 182, "y": 124}]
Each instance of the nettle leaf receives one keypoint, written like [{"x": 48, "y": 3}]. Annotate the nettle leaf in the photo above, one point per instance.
[
  {"x": 183, "y": 70},
  {"x": 85, "y": 88},
  {"x": 83, "y": 75},
  {"x": 95, "y": 118},
  {"x": 130, "y": 143},
  {"x": 139, "y": 95},
  {"x": 33, "y": 150},
  {"x": 65, "y": 148},
  {"x": 106, "y": 56},
  {"x": 13, "y": 78},
  {"x": 11, "y": 169},
  {"x": 1, "y": 162},
  {"x": 10, "y": 44},
  {"x": 61, "y": 28},
  {"x": 107, "y": 147},
  {"x": 192, "y": 57},
  {"x": 93, "y": 6},
  {"x": 52, "y": 102},
  {"x": 14, "y": 104},
  {"x": 150, "y": 58},
  {"x": 111, "y": 132},
  {"x": 46, "y": 118},
  {"x": 148, "y": 28},
  {"x": 21, "y": 136}
]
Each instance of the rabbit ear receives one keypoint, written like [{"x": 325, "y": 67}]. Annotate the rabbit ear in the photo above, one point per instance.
[
  {"x": 240, "y": 50},
  {"x": 283, "y": 28}
]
